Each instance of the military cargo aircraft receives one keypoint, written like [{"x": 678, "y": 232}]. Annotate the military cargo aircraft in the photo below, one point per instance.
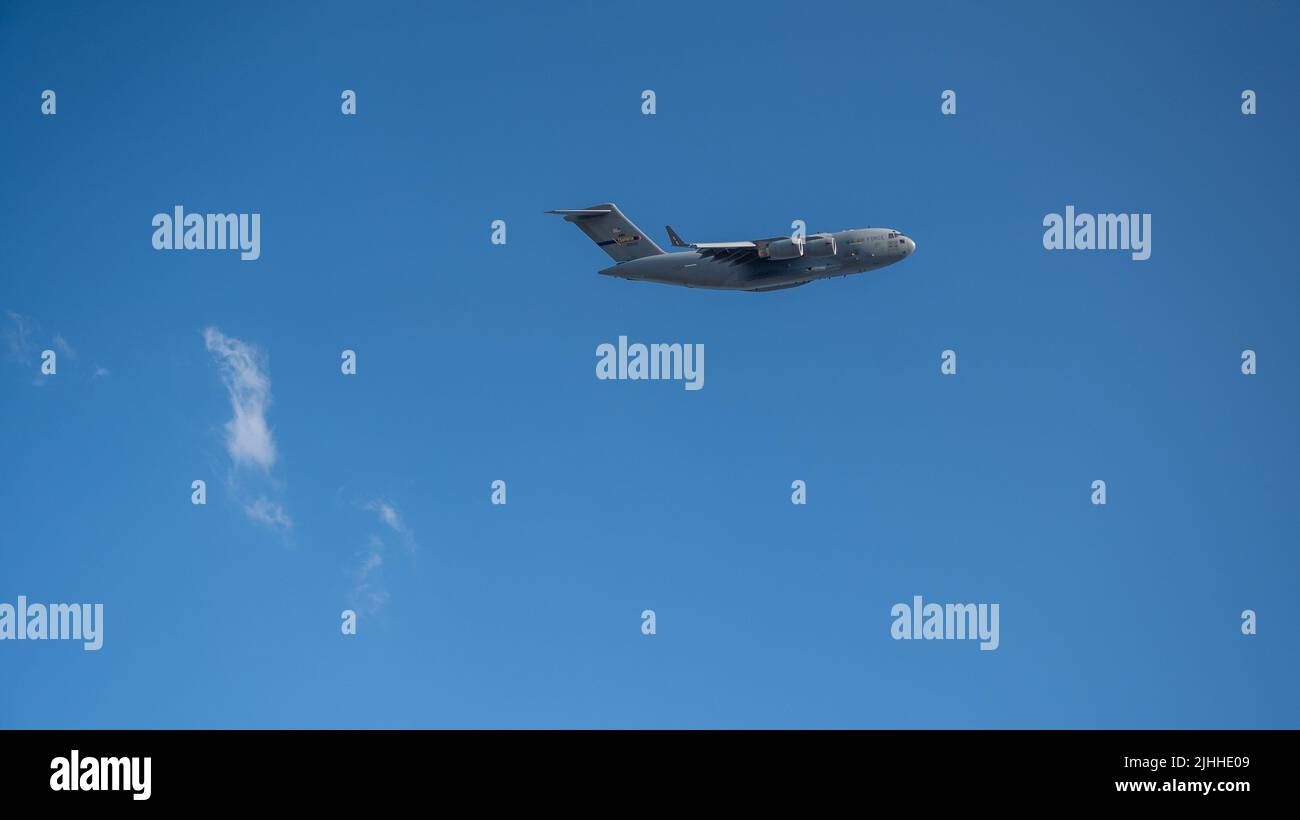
[{"x": 756, "y": 265}]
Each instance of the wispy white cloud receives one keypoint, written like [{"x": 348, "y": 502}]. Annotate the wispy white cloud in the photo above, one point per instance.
[
  {"x": 61, "y": 345},
  {"x": 373, "y": 562},
  {"x": 24, "y": 342},
  {"x": 387, "y": 513},
  {"x": 244, "y": 373},
  {"x": 19, "y": 346},
  {"x": 271, "y": 513},
  {"x": 101, "y": 372},
  {"x": 368, "y": 594},
  {"x": 390, "y": 517}
]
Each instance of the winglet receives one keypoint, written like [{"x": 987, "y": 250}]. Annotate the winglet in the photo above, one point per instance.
[{"x": 675, "y": 239}]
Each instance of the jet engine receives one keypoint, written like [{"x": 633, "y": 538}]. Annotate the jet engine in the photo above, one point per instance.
[
  {"x": 785, "y": 249},
  {"x": 822, "y": 244}
]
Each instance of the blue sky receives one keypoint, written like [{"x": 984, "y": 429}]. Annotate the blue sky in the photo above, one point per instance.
[{"x": 476, "y": 362}]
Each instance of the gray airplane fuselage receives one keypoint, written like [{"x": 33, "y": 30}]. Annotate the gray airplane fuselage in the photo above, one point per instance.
[{"x": 856, "y": 251}]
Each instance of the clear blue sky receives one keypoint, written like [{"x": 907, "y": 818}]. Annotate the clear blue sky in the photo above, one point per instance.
[{"x": 476, "y": 363}]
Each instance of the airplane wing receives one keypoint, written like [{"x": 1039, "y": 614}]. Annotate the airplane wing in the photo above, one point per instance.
[
  {"x": 734, "y": 252},
  {"x": 740, "y": 252},
  {"x": 679, "y": 243}
]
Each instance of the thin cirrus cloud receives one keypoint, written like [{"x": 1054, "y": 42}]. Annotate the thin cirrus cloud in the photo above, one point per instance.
[
  {"x": 387, "y": 513},
  {"x": 61, "y": 344},
  {"x": 268, "y": 512},
  {"x": 390, "y": 517},
  {"x": 243, "y": 371},
  {"x": 21, "y": 339},
  {"x": 18, "y": 335},
  {"x": 24, "y": 345},
  {"x": 249, "y": 441},
  {"x": 368, "y": 593}
]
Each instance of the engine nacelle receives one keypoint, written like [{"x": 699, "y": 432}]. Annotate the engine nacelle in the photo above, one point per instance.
[
  {"x": 822, "y": 244},
  {"x": 785, "y": 249}
]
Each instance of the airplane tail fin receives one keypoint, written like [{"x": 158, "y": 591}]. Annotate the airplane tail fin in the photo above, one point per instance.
[{"x": 612, "y": 231}]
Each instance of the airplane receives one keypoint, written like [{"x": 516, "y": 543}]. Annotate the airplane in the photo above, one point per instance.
[{"x": 757, "y": 265}]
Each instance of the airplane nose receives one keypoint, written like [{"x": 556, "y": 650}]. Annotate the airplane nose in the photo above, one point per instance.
[{"x": 911, "y": 246}]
